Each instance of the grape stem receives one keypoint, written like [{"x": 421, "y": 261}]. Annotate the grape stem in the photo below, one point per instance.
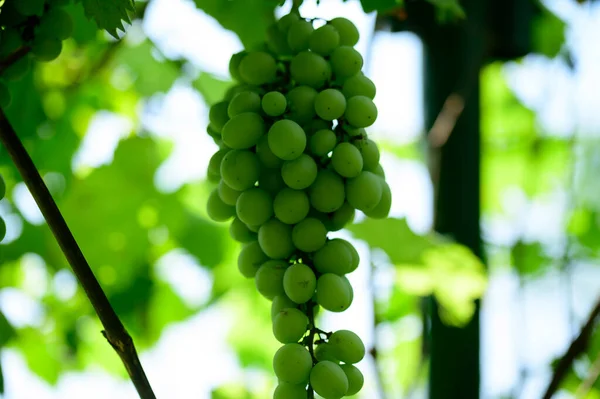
[{"x": 14, "y": 57}]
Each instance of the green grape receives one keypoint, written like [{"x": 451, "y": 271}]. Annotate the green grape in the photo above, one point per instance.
[
  {"x": 30, "y": 7},
  {"x": 218, "y": 210},
  {"x": 46, "y": 48},
  {"x": 364, "y": 191},
  {"x": 299, "y": 173},
  {"x": 234, "y": 65},
  {"x": 356, "y": 380},
  {"x": 19, "y": 69},
  {"x": 322, "y": 142},
  {"x": 348, "y": 33},
  {"x": 359, "y": 85},
  {"x": 298, "y": 35},
  {"x": 334, "y": 292},
  {"x": 327, "y": 192},
  {"x": 289, "y": 325},
  {"x": 299, "y": 283},
  {"x": 285, "y": 390},
  {"x": 246, "y": 101},
  {"x": 240, "y": 232},
  {"x": 281, "y": 302},
  {"x": 329, "y": 380},
  {"x": 228, "y": 195},
  {"x": 287, "y": 139},
  {"x": 291, "y": 206},
  {"x": 355, "y": 257},
  {"x": 2, "y": 187},
  {"x": 275, "y": 239},
  {"x": 240, "y": 88},
  {"x": 277, "y": 42},
  {"x": 340, "y": 218},
  {"x": 286, "y": 22},
  {"x": 265, "y": 155},
  {"x": 301, "y": 102},
  {"x": 258, "y": 68},
  {"x": 271, "y": 181},
  {"x": 345, "y": 62},
  {"x": 330, "y": 104},
  {"x": 325, "y": 352},
  {"x": 310, "y": 69},
  {"x": 353, "y": 131},
  {"x": 324, "y": 40},
  {"x": 292, "y": 363},
  {"x": 347, "y": 346},
  {"x": 370, "y": 153},
  {"x": 360, "y": 111},
  {"x": 217, "y": 115},
  {"x": 240, "y": 169},
  {"x": 269, "y": 278},
  {"x": 309, "y": 235},
  {"x": 379, "y": 171},
  {"x": 5, "y": 97},
  {"x": 214, "y": 164},
  {"x": 382, "y": 210},
  {"x": 250, "y": 259},
  {"x": 347, "y": 160},
  {"x": 317, "y": 124},
  {"x": 243, "y": 130},
  {"x": 274, "y": 103},
  {"x": 333, "y": 257},
  {"x": 254, "y": 206},
  {"x": 2, "y": 229},
  {"x": 56, "y": 23}
]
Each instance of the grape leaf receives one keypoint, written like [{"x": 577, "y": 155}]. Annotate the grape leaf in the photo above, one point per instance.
[
  {"x": 109, "y": 14},
  {"x": 380, "y": 5}
]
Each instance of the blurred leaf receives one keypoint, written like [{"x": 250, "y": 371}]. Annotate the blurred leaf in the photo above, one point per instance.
[
  {"x": 529, "y": 258},
  {"x": 41, "y": 354},
  {"x": 380, "y": 5},
  {"x": 448, "y": 10},
  {"x": 212, "y": 88},
  {"x": 7, "y": 332},
  {"x": 109, "y": 14},
  {"x": 1, "y": 378},
  {"x": 548, "y": 33},
  {"x": 401, "y": 303},
  {"x": 231, "y": 391},
  {"x": 84, "y": 29}
]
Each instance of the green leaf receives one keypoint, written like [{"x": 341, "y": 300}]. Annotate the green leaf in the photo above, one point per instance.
[
  {"x": 7, "y": 332},
  {"x": 548, "y": 33},
  {"x": 448, "y": 10},
  {"x": 212, "y": 88},
  {"x": 41, "y": 354},
  {"x": 529, "y": 258},
  {"x": 109, "y": 14},
  {"x": 380, "y": 5}
]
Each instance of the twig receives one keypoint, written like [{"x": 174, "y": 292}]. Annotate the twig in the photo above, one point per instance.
[
  {"x": 14, "y": 57},
  {"x": 577, "y": 347},
  {"x": 114, "y": 331}
]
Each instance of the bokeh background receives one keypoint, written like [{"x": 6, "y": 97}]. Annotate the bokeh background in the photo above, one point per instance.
[{"x": 118, "y": 130}]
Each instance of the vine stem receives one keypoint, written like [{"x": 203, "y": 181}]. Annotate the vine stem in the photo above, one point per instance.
[{"x": 114, "y": 331}]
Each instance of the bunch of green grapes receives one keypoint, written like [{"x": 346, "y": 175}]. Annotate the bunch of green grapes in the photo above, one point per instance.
[
  {"x": 40, "y": 25},
  {"x": 295, "y": 163}
]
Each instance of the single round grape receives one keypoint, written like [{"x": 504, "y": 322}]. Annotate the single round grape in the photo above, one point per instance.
[
  {"x": 346, "y": 160},
  {"x": 364, "y": 191},
  {"x": 276, "y": 41},
  {"x": 334, "y": 292},
  {"x": 228, "y": 195},
  {"x": 258, "y": 68},
  {"x": 281, "y": 302},
  {"x": 382, "y": 210},
  {"x": 2, "y": 229},
  {"x": 218, "y": 210},
  {"x": 348, "y": 32},
  {"x": 299, "y": 283},
  {"x": 322, "y": 142},
  {"x": 46, "y": 48},
  {"x": 285, "y": 390},
  {"x": 356, "y": 380},
  {"x": 370, "y": 153},
  {"x": 240, "y": 232},
  {"x": 56, "y": 23},
  {"x": 309, "y": 235},
  {"x": 287, "y": 140},
  {"x": 324, "y": 40},
  {"x": 298, "y": 35},
  {"x": 265, "y": 155},
  {"x": 214, "y": 165},
  {"x": 5, "y": 97},
  {"x": 286, "y": 21},
  {"x": 317, "y": 124},
  {"x": 379, "y": 171},
  {"x": 308, "y": 68},
  {"x": 330, "y": 104},
  {"x": 269, "y": 278},
  {"x": 345, "y": 62},
  {"x": 2, "y": 187},
  {"x": 274, "y": 103},
  {"x": 329, "y": 380},
  {"x": 275, "y": 239},
  {"x": 250, "y": 259},
  {"x": 289, "y": 325},
  {"x": 271, "y": 181},
  {"x": 240, "y": 88},
  {"x": 30, "y": 7},
  {"x": 359, "y": 85},
  {"x": 240, "y": 169},
  {"x": 291, "y": 206},
  {"x": 340, "y": 218},
  {"x": 234, "y": 65},
  {"x": 355, "y": 257},
  {"x": 301, "y": 102},
  {"x": 325, "y": 352},
  {"x": 292, "y": 363},
  {"x": 327, "y": 192},
  {"x": 333, "y": 257},
  {"x": 360, "y": 111},
  {"x": 299, "y": 173},
  {"x": 347, "y": 346},
  {"x": 218, "y": 115},
  {"x": 246, "y": 101},
  {"x": 254, "y": 206},
  {"x": 243, "y": 130}
]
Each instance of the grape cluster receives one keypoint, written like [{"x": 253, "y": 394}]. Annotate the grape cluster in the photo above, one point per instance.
[
  {"x": 40, "y": 25},
  {"x": 295, "y": 163}
]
